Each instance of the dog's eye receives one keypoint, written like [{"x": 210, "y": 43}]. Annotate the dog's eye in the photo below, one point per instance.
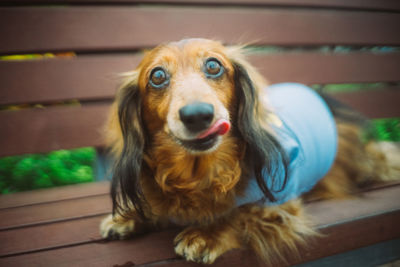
[
  {"x": 213, "y": 68},
  {"x": 158, "y": 78}
]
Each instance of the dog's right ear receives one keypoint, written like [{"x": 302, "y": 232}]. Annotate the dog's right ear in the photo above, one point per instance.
[
  {"x": 126, "y": 191},
  {"x": 264, "y": 153}
]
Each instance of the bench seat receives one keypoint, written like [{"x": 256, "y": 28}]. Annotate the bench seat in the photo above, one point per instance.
[
  {"x": 59, "y": 227},
  {"x": 57, "y": 95}
]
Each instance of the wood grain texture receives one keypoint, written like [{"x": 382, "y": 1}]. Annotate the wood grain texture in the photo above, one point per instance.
[
  {"x": 54, "y": 212},
  {"x": 338, "y": 239},
  {"x": 368, "y": 204},
  {"x": 320, "y": 68},
  {"x": 111, "y": 28},
  {"x": 84, "y": 78},
  {"x": 50, "y": 236},
  {"x": 373, "y": 104},
  {"x": 356, "y": 4},
  {"x": 42, "y": 130},
  {"x": 97, "y": 77},
  {"x": 347, "y": 225},
  {"x": 41, "y": 196},
  {"x": 151, "y": 247}
]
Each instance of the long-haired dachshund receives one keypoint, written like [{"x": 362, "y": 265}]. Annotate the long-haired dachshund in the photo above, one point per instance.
[{"x": 201, "y": 142}]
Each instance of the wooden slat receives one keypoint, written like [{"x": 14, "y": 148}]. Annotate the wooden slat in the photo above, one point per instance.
[
  {"x": 347, "y": 225},
  {"x": 84, "y": 78},
  {"x": 54, "y": 211},
  {"x": 110, "y": 28},
  {"x": 371, "y": 203},
  {"x": 338, "y": 239},
  {"x": 97, "y": 77},
  {"x": 352, "y": 235},
  {"x": 88, "y": 227},
  {"x": 317, "y": 68},
  {"x": 381, "y": 254},
  {"x": 54, "y": 194},
  {"x": 50, "y": 236},
  {"x": 155, "y": 246},
  {"x": 41, "y": 130},
  {"x": 357, "y": 4},
  {"x": 374, "y": 104}
]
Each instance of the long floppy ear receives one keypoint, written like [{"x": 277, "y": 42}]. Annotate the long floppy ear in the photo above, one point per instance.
[
  {"x": 264, "y": 154},
  {"x": 126, "y": 191}
]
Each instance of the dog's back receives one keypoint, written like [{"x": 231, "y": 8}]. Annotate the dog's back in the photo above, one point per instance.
[{"x": 361, "y": 159}]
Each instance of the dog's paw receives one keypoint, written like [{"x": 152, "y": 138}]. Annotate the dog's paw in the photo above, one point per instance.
[
  {"x": 116, "y": 228},
  {"x": 198, "y": 246}
]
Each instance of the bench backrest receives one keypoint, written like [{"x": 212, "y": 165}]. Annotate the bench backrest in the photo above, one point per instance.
[{"x": 61, "y": 102}]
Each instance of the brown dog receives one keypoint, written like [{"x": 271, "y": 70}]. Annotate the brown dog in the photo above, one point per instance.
[{"x": 189, "y": 128}]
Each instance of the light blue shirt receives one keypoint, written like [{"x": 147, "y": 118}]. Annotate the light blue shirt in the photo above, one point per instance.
[{"x": 307, "y": 134}]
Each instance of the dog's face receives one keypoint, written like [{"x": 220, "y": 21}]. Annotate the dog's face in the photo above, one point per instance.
[{"x": 187, "y": 91}]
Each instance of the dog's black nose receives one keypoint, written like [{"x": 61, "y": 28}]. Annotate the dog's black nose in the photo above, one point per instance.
[{"x": 197, "y": 116}]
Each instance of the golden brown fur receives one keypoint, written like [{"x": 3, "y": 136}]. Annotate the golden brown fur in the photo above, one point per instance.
[
  {"x": 198, "y": 190},
  {"x": 357, "y": 165}
]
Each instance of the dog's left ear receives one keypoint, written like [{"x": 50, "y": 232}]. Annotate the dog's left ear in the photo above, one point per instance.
[{"x": 264, "y": 154}]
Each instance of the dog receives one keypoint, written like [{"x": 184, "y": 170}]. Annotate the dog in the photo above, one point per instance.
[{"x": 200, "y": 143}]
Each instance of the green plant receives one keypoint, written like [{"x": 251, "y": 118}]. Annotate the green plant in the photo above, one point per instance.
[
  {"x": 62, "y": 167},
  {"x": 387, "y": 129}
]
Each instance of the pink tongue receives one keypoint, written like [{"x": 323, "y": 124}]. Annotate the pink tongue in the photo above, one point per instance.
[{"x": 220, "y": 127}]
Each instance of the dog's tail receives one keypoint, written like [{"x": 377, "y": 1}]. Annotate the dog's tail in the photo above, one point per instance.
[{"x": 361, "y": 160}]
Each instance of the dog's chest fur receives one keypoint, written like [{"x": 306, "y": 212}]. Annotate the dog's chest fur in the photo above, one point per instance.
[{"x": 187, "y": 188}]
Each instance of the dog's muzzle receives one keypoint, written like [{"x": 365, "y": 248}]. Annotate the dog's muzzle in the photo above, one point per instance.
[
  {"x": 199, "y": 119},
  {"x": 197, "y": 116}
]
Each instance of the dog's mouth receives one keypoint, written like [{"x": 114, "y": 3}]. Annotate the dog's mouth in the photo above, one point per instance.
[{"x": 209, "y": 138}]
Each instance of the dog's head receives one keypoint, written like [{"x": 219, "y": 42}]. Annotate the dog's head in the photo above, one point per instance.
[
  {"x": 188, "y": 93},
  {"x": 191, "y": 93}
]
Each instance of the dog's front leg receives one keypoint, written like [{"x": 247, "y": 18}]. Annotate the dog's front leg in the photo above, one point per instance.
[
  {"x": 268, "y": 230},
  {"x": 272, "y": 230},
  {"x": 121, "y": 227},
  {"x": 206, "y": 243}
]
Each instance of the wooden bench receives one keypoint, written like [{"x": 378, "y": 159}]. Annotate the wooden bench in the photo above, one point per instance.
[{"x": 61, "y": 103}]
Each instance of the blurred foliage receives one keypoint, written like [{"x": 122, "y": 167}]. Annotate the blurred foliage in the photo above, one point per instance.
[
  {"x": 26, "y": 57},
  {"x": 72, "y": 102},
  {"x": 387, "y": 129},
  {"x": 271, "y": 49},
  {"x": 348, "y": 87},
  {"x": 37, "y": 56},
  {"x": 62, "y": 167}
]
